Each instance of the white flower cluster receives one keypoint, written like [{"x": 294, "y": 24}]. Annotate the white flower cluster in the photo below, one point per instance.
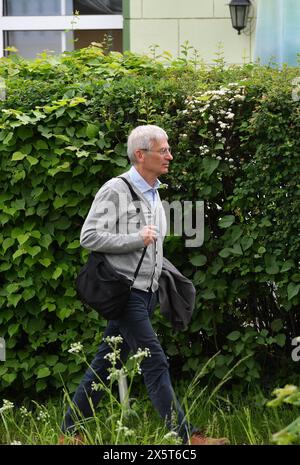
[
  {"x": 116, "y": 374},
  {"x": 173, "y": 437},
  {"x": 123, "y": 429},
  {"x": 6, "y": 405},
  {"x": 113, "y": 357},
  {"x": 16, "y": 443},
  {"x": 163, "y": 186},
  {"x": 139, "y": 356},
  {"x": 113, "y": 340},
  {"x": 96, "y": 386},
  {"x": 76, "y": 347},
  {"x": 217, "y": 108},
  {"x": 24, "y": 412},
  {"x": 170, "y": 435},
  {"x": 43, "y": 415},
  {"x": 204, "y": 149}
]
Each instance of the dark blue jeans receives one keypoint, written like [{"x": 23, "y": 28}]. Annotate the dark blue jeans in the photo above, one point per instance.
[{"x": 137, "y": 332}]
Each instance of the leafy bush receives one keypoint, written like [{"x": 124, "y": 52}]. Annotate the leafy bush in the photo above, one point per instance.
[
  {"x": 291, "y": 433},
  {"x": 63, "y": 133}
]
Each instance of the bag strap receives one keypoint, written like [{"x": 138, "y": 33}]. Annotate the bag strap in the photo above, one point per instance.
[
  {"x": 135, "y": 197},
  {"x": 139, "y": 264}
]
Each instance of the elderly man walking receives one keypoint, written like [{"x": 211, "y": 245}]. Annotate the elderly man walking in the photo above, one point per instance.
[{"x": 150, "y": 156}]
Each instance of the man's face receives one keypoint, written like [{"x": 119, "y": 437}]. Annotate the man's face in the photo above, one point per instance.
[{"x": 156, "y": 160}]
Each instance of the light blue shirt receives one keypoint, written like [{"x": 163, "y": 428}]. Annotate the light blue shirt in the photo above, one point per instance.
[{"x": 148, "y": 191}]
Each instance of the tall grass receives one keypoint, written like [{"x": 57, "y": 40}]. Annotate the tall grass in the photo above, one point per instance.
[
  {"x": 242, "y": 422},
  {"x": 246, "y": 420}
]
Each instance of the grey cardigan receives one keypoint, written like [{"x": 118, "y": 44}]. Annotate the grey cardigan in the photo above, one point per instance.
[{"x": 117, "y": 232}]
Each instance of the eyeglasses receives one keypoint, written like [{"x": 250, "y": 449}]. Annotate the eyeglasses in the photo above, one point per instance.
[{"x": 162, "y": 151}]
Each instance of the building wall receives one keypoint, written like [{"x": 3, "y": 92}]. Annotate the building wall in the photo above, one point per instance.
[{"x": 203, "y": 23}]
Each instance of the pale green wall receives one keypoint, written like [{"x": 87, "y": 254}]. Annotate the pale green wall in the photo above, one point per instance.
[{"x": 203, "y": 23}]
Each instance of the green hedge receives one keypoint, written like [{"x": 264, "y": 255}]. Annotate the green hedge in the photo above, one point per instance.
[{"x": 235, "y": 133}]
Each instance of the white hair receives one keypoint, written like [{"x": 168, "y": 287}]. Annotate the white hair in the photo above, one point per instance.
[{"x": 143, "y": 137}]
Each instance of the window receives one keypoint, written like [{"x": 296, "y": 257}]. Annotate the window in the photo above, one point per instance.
[
  {"x": 83, "y": 38},
  {"x": 32, "y": 26},
  {"x": 59, "y": 7},
  {"x": 37, "y": 7},
  {"x": 29, "y": 43},
  {"x": 98, "y": 7}
]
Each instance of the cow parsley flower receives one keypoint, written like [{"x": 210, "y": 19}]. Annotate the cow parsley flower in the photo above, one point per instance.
[
  {"x": 123, "y": 429},
  {"x": 76, "y": 347},
  {"x": 6, "y": 405},
  {"x": 115, "y": 340}
]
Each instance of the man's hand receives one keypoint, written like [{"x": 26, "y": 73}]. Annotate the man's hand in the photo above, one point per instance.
[{"x": 148, "y": 234}]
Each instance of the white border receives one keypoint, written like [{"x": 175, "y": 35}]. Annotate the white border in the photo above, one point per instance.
[{"x": 58, "y": 23}]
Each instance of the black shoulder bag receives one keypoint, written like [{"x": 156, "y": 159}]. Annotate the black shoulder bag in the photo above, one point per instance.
[{"x": 102, "y": 287}]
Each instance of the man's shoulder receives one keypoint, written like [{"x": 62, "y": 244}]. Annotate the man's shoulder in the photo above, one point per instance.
[{"x": 113, "y": 185}]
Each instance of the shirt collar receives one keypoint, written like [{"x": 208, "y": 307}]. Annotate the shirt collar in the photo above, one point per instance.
[{"x": 140, "y": 182}]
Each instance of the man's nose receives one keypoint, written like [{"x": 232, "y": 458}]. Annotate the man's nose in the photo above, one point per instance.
[{"x": 169, "y": 156}]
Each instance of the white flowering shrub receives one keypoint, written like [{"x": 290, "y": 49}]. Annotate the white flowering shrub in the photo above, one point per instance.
[{"x": 210, "y": 118}]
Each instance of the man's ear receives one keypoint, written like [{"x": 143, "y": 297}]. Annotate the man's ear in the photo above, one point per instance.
[{"x": 139, "y": 155}]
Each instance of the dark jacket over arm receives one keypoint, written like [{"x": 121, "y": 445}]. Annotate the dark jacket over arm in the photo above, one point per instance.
[{"x": 176, "y": 296}]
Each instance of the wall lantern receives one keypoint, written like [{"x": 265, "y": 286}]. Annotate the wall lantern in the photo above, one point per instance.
[{"x": 239, "y": 10}]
